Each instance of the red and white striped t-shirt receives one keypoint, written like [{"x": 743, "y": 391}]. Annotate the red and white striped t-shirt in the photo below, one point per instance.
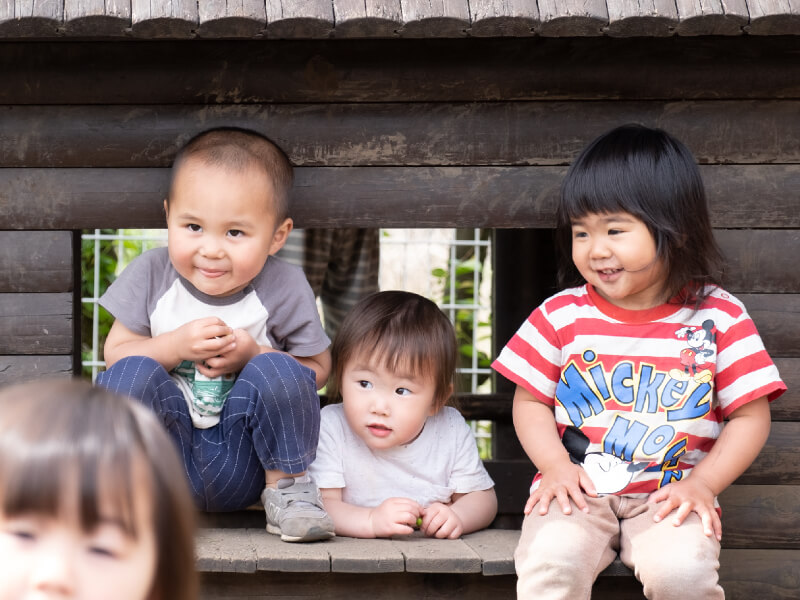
[{"x": 639, "y": 396}]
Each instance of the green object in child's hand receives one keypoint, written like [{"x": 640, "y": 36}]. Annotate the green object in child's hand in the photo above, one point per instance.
[{"x": 419, "y": 522}]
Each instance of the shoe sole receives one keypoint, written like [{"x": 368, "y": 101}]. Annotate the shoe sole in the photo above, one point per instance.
[{"x": 314, "y": 534}]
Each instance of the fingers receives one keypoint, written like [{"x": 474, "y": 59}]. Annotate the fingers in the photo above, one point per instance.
[
  {"x": 441, "y": 522},
  {"x": 666, "y": 507},
  {"x": 529, "y": 505},
  {"x": 587, "y": 485},
  {"x": 709, "y": 518}
]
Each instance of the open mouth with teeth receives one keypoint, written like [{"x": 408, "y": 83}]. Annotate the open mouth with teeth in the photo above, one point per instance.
[{"x": 608, "y": 274}]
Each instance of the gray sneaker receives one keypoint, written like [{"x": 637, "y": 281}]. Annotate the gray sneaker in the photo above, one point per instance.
[{"x": 295, "y": 512}]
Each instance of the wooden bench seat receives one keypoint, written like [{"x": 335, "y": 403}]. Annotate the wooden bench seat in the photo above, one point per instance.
[{"x": 239, "y": 562}]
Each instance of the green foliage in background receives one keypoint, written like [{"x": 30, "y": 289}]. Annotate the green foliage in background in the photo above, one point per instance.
[
  {"x": 460, "y": 282},
  {"x": 109, "y": 255}
]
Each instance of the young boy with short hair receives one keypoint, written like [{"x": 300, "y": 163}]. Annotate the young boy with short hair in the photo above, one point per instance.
[{"x": 222, "y": 340}]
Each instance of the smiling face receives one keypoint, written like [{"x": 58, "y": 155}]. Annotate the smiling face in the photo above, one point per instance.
[
  {"x": 222, "y": 226},
  {"x": 616, "y": 253},
  {"x": 44, "y": 556},
  {"x": 385, "y": 408}
]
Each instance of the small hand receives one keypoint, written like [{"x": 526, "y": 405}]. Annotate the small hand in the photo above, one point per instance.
[
  {"x": 202, "y": 339},
  {"x": 440, "y": 520},
  {"x": 233, "y": 360},
  {"x": 394, "y": 516},
  {"x": 562, "y": 483},
  {"x": 691, "y": 494}
]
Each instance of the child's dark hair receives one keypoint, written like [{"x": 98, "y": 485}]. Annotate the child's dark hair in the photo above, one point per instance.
[
  {"x": 653, "y": 176},
  {"x": 237, "y": 149},
  {"x": 400, "y": 330},
  {"x": 63, "y": 437}
]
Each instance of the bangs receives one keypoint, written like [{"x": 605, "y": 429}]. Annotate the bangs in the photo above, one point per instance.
[
  {"x": 401, "y": 332},
  {"x": 605, "y": 184},
  {"x": 400, "y": 354},
  {"x": 66, "y": 463}
]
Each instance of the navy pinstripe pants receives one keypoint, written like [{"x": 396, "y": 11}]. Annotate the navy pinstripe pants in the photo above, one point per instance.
[{"x": 270, "y": 421}]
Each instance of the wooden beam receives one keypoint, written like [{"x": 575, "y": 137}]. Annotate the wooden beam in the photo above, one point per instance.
[
  {"x": 450, "y": 134},
  {"x": 510, "y": 197},
  {"x": 761, "y": 516},
  {"x": 468, "y": 70},
  {"x": 16, "y": 369},
  {"x": 36, "y": 261},
  {"x": 36, "y": 324}
]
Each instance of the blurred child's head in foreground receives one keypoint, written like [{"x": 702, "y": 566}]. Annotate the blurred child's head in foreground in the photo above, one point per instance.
[{"x": 93, "y": 499}]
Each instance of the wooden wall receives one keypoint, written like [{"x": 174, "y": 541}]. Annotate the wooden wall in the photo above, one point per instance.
[{"x": 415, "y": 133}]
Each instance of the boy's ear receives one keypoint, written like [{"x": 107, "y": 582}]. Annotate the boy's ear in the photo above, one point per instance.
[
  {"x": 280, "y": 235},
  {"x": 166, "y": 209}
]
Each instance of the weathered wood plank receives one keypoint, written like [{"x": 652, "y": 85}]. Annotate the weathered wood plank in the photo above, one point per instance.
[
  {"x": 712, "y": 17},
  {"x": 231, "y": 18},
  {"x": 787, "y": 407},
  {"x": 299, "y": 19},
  {"x": 774, "y": 17},
  {"x": 16, "y": 369},
  {"x": 434, "y": 18},
  {"x": 561, "y": 18},
  {"x": 501, "y": 133},
  {"x": 740, "y": 196},
  {"x": 657, "y": 18},
  {"x": 503, "y": 17},
  {"x": 495, "y": 547},
  {"x": 97, "y": 18},
  {"x": 30, "y": 18},
  {"x": 777, "y": 317},
  {"x": 36, "y": 324},
  {"x": 272, "y": 554},
  {"x": 163, "y": 19},
  {"x": 473, "y": 69},
  {"x": 227, "y": 551},
  {"x": 761, "y": 260},
  {"x": 430, "y": 555},
  {"x": 35, "y": 261},
  {"x": 351, "y": 555},
  {"x": 777, "y": 462},
  {"x": 749, "y": 574},
  {"x": 761, "y": 516},
  {"x": 367, "y": 18}
]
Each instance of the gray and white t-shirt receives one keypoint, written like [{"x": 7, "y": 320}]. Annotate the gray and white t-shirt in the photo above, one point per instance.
[{"x": 277, "y": 309}]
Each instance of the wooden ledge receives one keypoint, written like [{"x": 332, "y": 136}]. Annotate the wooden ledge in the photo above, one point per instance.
[{"x": 487, "y": 552}]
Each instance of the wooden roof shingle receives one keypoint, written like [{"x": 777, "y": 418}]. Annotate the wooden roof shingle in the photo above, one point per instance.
[{"x": 315, "y": 19}]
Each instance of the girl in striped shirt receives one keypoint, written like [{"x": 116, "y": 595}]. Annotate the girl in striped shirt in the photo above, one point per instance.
[{"x": 623, "y": 382}]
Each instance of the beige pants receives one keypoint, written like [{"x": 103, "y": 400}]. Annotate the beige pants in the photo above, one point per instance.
[{"x": 559, "y": 556}]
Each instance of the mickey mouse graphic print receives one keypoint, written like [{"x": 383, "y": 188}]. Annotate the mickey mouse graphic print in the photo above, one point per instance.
[{"x": 639, "y": 396}]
